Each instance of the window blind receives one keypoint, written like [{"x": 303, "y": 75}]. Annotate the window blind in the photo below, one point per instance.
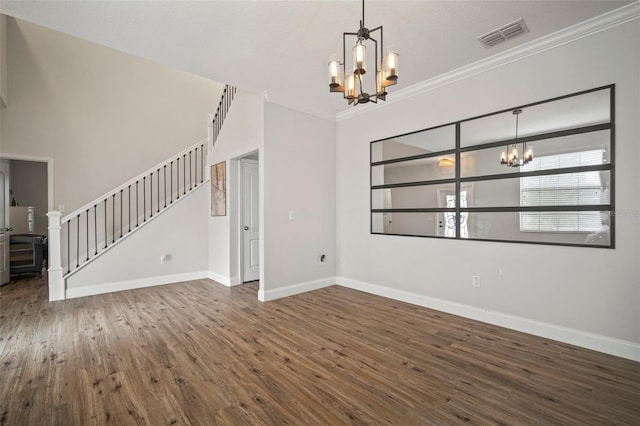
[{"x": 569, "y": 189}]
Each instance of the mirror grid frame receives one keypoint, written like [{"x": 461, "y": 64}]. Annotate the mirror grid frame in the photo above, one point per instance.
[{"x": 458, "y": 181}]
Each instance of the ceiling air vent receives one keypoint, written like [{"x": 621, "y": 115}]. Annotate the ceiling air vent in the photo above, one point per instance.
[{"x": 503, "y": 33}]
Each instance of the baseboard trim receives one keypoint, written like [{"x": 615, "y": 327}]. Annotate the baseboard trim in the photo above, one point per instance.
[
  {"x": 596, "y": 342},
  {"x": 219, "y": 278},
  {"x": 92, "y": 290},
  {"x": 277, "y": 293}
]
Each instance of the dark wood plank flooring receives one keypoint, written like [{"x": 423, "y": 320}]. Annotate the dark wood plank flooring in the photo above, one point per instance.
[{"x": 203, "y": 354}]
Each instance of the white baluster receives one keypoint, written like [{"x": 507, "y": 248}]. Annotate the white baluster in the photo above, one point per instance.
[{"x": 210, "y": 128}]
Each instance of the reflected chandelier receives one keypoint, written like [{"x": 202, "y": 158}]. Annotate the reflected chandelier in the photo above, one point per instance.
[
  {"x": 511, "y": 157},
  {"x": 385, "y": 69}
]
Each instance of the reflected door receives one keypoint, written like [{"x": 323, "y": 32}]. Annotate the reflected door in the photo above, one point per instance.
[
  {"x": 447, "y": 220},
  {"x": 4, "y": 225},
  {"x": 387, "y": 217}
]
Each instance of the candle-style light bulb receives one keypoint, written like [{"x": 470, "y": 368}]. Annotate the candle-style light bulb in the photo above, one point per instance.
[
  {"x": 392, "y": 66},
  {"x": 334, "y": 74},
  {"x": 359, "y": 58},
  {"x": 350, "y": 86},
  {"x": 529, "y": 154}
]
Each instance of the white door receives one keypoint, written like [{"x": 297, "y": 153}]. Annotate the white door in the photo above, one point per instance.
[
  {"x": 446, "y": 226},
  {"x": 4, "y": 224},
  {"x": 250, "y": 221}
]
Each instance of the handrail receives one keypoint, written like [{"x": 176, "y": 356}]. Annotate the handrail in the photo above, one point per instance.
[{"x": 132, "y": 181}]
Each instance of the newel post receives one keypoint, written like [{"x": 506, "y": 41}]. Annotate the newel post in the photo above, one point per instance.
[{"x": 56, "y": 282}]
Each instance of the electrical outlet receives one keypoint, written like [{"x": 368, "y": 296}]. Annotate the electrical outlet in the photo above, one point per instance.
[
  {"x": 61, "y": 208},
  {"x": 165, "y": 258},
  {"x": 475, "y": 281}
]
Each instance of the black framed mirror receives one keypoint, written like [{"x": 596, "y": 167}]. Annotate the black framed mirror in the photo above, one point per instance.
[{"x": 540, "y": 173}]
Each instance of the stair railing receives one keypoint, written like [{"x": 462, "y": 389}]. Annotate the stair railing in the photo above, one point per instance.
[
  {"x": 83, "y": 235},
  {"x": 226, "y": 99},
  {"x": 95, "y": 227}
]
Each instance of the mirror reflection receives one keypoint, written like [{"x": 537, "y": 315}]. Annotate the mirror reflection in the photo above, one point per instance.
[
  {"x": 549, "y": 154},
  {"x": 418, "y": 143},
  {"x": 568, "y": 113},
  {"x": 568, "y": 189},
  {"x": 422, "y": 169},
  {"x": 562, "y": 194},
  {"x": 572, "y": 227}
]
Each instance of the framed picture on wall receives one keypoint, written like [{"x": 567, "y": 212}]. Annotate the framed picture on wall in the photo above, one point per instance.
[{"x": 219, "y": 189}]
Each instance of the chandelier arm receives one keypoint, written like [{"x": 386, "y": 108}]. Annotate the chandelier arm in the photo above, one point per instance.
[
  {"x": 381, "y": 59},
  {"x": 344, "y": 66},
  {"x": 375, "y": 73}
]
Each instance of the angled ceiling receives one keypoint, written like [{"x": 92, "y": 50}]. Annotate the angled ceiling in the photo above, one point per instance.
[{"x": 283, "y": 47}]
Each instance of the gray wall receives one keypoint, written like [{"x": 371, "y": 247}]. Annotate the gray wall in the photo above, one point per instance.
[{"x": 29, "y": 184}]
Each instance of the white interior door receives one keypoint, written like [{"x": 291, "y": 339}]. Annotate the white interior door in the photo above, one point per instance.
[
  {"x": 250, "y": 221},
  {"x": 446, "y": 226},
  {"x": 4, "y": 224}
]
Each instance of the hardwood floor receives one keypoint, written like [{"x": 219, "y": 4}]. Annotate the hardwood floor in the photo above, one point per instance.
[{"x": 201, "y": 353}]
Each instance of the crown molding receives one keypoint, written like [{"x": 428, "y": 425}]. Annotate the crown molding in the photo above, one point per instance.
[{"x": 570, "y": 34}]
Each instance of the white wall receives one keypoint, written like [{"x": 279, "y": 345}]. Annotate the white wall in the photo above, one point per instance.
[
  {"x": 241, "y": 134},
  {"x": 29, "y": 184},
  {"x": 3, "y": 60},
  {"x": 297, "y": 172},
  {"x": 104, "y": 116},
  {"x": 178, "y": 231},
  {"x": 299, "y": 176},
  {"x": 3, "y": 73},
  {"x": 591, "y": 291}
]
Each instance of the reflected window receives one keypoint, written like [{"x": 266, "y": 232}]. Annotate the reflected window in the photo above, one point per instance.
[{"x": 575, "y": 189}]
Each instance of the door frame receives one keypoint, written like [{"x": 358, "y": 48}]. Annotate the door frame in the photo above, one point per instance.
[{"x": 239, "y": 213}]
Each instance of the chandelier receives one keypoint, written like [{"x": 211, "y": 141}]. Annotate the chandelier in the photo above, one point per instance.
[
  {"x": 446, "y": 162},
  {"x": 511, "y": 157},
  {"x": 357, "y": 89}
]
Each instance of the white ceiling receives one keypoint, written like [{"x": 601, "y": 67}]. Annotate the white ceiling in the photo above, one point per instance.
[{"x": 283, "y": 47}]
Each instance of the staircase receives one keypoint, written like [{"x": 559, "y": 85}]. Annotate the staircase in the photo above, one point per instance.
[{"x": 90, "y": 231}]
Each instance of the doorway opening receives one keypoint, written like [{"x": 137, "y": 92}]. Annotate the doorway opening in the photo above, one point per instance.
[{"x": 27, "y": 197}]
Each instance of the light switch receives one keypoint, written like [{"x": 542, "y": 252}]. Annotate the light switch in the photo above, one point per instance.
[{"x": 292, "y": 215}]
